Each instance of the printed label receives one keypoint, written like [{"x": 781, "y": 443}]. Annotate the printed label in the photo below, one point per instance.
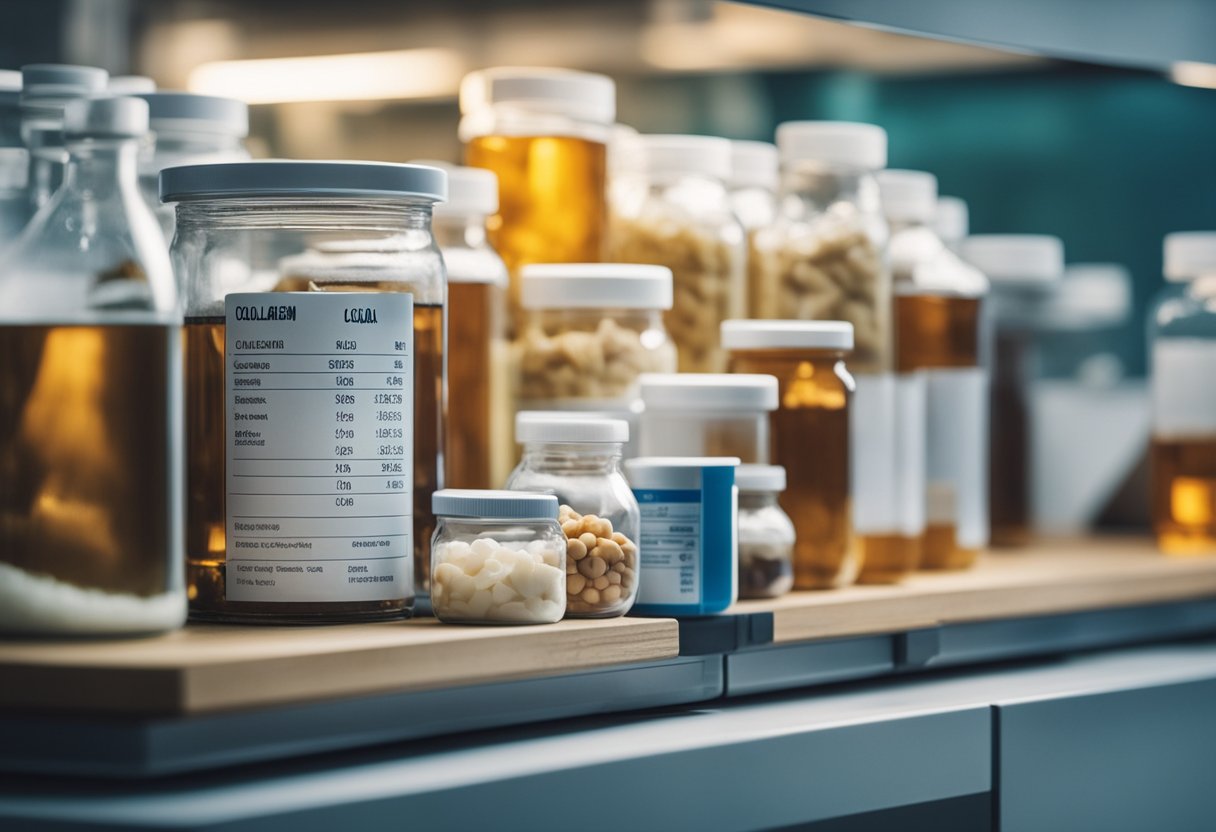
[
  {"x": 320, "y": 422},
  {"x": 1184, "y": 387},
  {"x": 910, "y": 441},
  {"x": 957, "y": 460},
  {"x": 670, "y": 546},
  {"x": 872, "y": 451}
]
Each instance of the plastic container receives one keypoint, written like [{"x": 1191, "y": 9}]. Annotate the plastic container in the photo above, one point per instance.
[
  {"x": 938, "y": 313},
  {"x": 1024, "y": 271},
  {"x": 1182, "y": 338},
  {"x": 672, "y": 208},
  {"x": 707, "y": 415},
  {"x": 578, "y": 459},
  {"x": 544, "y": 133},
  {"x": 332, "y": 375},
  {"x": 498, "y": 557},
  {"x": 90, "y": 400},
  {"x": 45, "y": 91},
  {"x": 753, "y": 197},
  {"x": 766, "y": 533},
  {"x": 479, "y": 448},
  {"x": 689, "y": 540},
  {"x": 1085, "y": 324},
  {"x": 811, "y": 436}
]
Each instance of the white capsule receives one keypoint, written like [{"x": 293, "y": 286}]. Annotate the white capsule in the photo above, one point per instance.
[
  {"x": 551, "y": 557},
  {"x": 491, "y": 573},
  {"x": 480, "y": 604},
  {"x": 484, "y": 546},
  {"x": 446, "y": 572},
  {"x": 514, "y": 611},
  {"x": 503, "y": 594},
  {"x": 461, "y": 587}
]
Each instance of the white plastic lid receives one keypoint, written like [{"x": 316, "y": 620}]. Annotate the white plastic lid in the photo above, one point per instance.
[
  {"x": 673, "y": 471},
  {"x": 197, "y": 113},
  {"x": 753, "y": 165},
  {"x": 60, "y": 81},
  {"x": 579, "y": 95},
  {"x": 130, "y": 84},
  {"x": 952, "y": 220},
  {"x": 757, "y": 479},
  {"x": 670, "y": 153},
  {"x": 288, "y": 177},
  {"x": 791, "y": 335},
  {"x": 595, "y": 285},
  {"x": 491, "y": 505},
  {"x": 471, "y": 191},
  {"x": 10, "y": 81},
  {"x": 707, "y": 392},
  {"x": 105, "y": 117},
  {"x": 1016, "y": 258},
  {"x": 846, "y": 143},
  {"x": 908, "y": 195},
  {"x": 547, "y": 426},
  {"x": 1092, "y": 294},
  {"x": 1189, "y": 254}
]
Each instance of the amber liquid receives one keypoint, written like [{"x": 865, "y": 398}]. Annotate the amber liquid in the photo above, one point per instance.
[
  {"x": 87, "y": 479},
  {"x": 479, "y": 449},
  {"x": 810, "y": 437},
  {"x": 552, "y": 201},
  {"x": 887, "y": 558},
  {"x": 1184, "y": 495}
]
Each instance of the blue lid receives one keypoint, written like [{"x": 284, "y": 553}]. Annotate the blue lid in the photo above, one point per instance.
[
  {"x": 283, "y": 177},
  {"x": 493, "y": 505},
  {"x": 208, "y": 113}
]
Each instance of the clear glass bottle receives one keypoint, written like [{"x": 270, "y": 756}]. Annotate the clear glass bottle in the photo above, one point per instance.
[
  {"x": 1182, "y": 339},
  {"x": 544, "y": 133},
  {"x": 319, "y": 449},
  {"x": 753, "y": 197},
  {"x": 707, "y": 414},
  {"x": 938, "y": 300},
  {"x": 90, "y": 399},
  {"x": 766, "y": 533},
  {"x": 498, "y": 557},
  {"x": 672, "y": 209},
  {"x": 578, "y": 459},
  {"x": 45, "y": 91},
  {"x": 1024, "y": 270},
  {"x": 811, "y": 437}
]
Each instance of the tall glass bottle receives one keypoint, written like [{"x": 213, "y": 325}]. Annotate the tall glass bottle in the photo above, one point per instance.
[
  {"x": 45, "y": 91},
  {"x": 90, "y": 391}
]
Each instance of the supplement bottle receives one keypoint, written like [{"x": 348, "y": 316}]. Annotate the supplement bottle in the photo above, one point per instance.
[
  {"x": 90, "y": 399},
  {"x": 315, "y": 386},
  {"x": 45, "y": 91},
  {"x": 766, "y": 535},
  {"x": 707, "y": 414}
]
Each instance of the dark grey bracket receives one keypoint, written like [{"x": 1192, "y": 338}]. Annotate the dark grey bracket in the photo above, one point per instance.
[{"x": 723, "y": 634}]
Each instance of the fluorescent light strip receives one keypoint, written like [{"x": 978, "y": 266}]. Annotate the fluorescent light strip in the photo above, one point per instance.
[{"x": 1193, "y": 74}]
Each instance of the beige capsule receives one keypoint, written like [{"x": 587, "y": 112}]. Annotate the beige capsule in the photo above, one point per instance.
[
  {"x": 575, "y": 584},
  {"x": 570, "y": 528},
  {"x": 609, "y": 549},
  {"x": 613, "y": 577},
  {"x": 588, "y": 539},
  {"x": 601, "y": 583},
  {"x": 611, "y": 595},
  {"x": 576, "y": 549},
  {"x": 592, "y": 566},
  {"x": 619, "y": 567},
  {"x": 591, "y": 595}
]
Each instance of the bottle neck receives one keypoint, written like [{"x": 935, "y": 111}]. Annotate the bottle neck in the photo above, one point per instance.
[
  {"x": 812, "y": 187},
  {"x": 460, "y": 230},
  {"x": 757, "y": 499},
  {"x": 573, "y": 458},
  {"x": 101, "y": 165}
]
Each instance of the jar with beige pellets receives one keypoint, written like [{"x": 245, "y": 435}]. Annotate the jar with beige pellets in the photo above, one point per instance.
[{"x": 670, "y": 207}]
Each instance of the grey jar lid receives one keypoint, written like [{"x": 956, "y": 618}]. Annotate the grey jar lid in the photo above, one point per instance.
[
  {"x": 287, "y": 178},
  {"x": 204, "y": 113},
  {"x": 474, "y": 504}
]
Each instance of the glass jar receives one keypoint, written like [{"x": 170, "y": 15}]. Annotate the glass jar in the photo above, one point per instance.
[
  {"x": 707, "y": 414},
  {"x": 938, "y": 301},
  {"x": 753, "y": 198},
  {"x": 90, "y": 400},
  {"x": 498, "y": 557},
  {"x": 672, "y": 209},
  {"x": 1182, "y": 339},
  {"x": 815, "y": 391},
  {"x": 590, "y": 331},
  {"x": 315, "y": 395},
  {"x": 1024, "y": 271},
  {"x": 188, "y": 129},
  {"x": 480, "y": 452},
  {"x": 578, "y": 460},
  {"x": 766, "y": 533},
  {"x": 45, "y": 91},
  {"x": 544, "y": 133}
]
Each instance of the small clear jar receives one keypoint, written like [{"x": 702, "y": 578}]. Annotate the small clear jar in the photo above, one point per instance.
[
  {"x": 707, "y": 415},
  {"x": 1182, "y": 340},
  {"x": 45, "y": 91},
  {"x": 315, "y": 386},
  {"x": 578, "y": 460},
  {"x": 811, "y": 439},
  {"x": 753, "y": 197},
  {"x": 498, "y": 557},
  {"x": 1085, "y": 326},
  {"x": 672, "y": 209},
  {"x": 766, "y": 533}
]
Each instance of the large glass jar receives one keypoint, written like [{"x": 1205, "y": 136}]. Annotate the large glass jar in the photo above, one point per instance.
[
  {"x": 314, "y": 419},
  {"x": 45, "y": 91},
  {"x": 498, "y": 557},
  {"x": 766, "y": 533},
  {"x": 810, "y": 438},
  {"x": 707, "y": 414},
  {"x": 753, "y": 197},
  {"x": 544, "y": 133},
  {"x": 90, "y": 399},
  {"x": 1182, "y": 339},
  {"x": 673, "y": 209},
  {"x": 578, "y": 459}
]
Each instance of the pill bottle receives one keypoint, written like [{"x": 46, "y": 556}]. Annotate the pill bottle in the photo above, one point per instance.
[
  {"x": 45, "y": 91},
  {"x": 1085, "y": 324},
  {"x": 753, "y": 197},
  {"x": 672, "y": 208},
  {"x": 1182, "y": 339},
  {"x": 498, "y": 557},
  {"x": 810, "y": 436},
  {"x": 689, "y": 538},
  {"x": 590, "y": 331},
  {"x": 938, "y": 303},
  {"x": 544, "y": 133},
  {"x": 707, "y": 414},
  {"x": 315, "y": 394},
  {"x": 578, "y": 459},
  {"x": 766, "y": 534},
  {"x": 478, "y": 441},
  {"x": 1024, "y": 270},
  {"x": 952, "y": 221},
  {"x": 90, "y": 399}
]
